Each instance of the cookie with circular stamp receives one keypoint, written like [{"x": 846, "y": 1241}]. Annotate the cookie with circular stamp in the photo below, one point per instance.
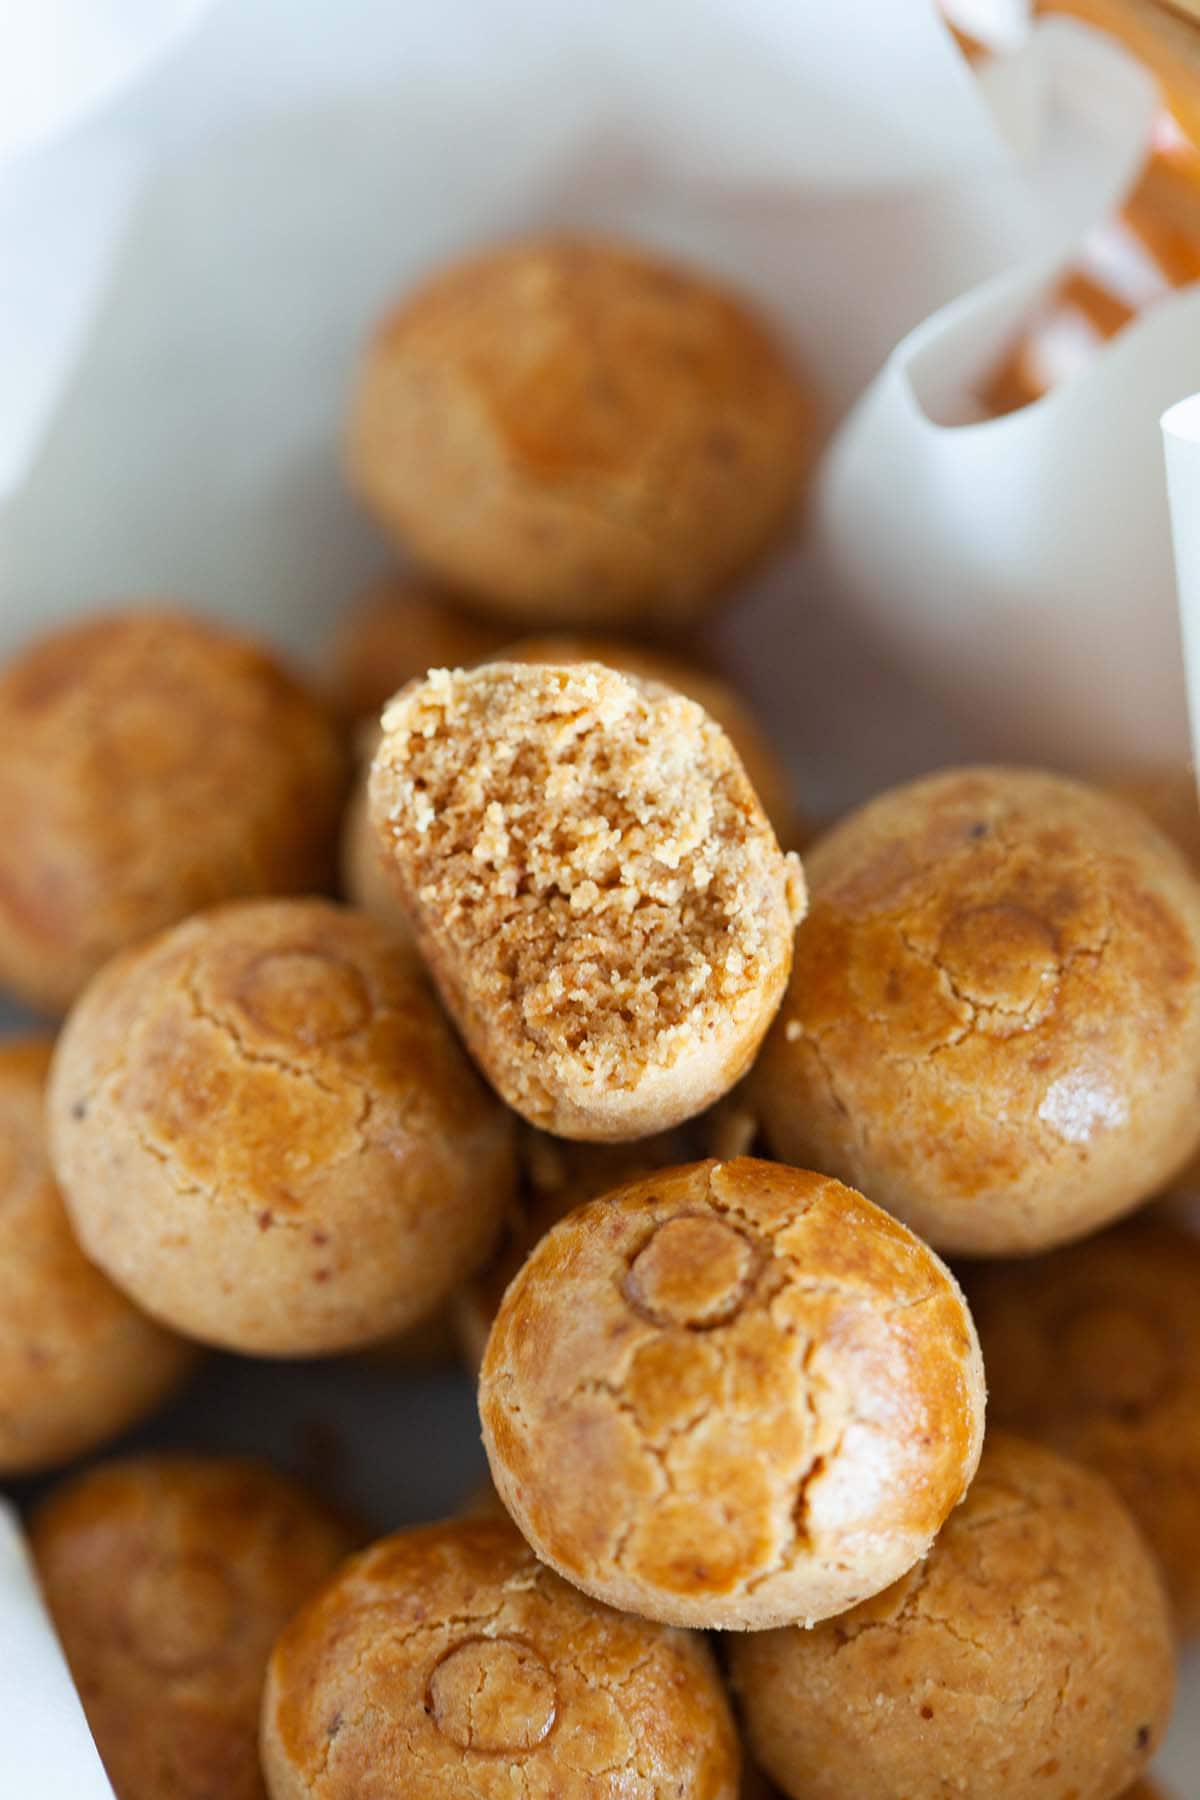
[
  {"x": 732, "y": 1395},
  {"x": 1029, "y": 1653},
  {"x": 578, "y": 432},
  {"x": 447, "y": 1663},
  {"x": 266, "y": 1132},
  {"x": 151, "y": 763},
  {"x": 78, "y": 1362},
  {"x": 168, "y": 1579},
  {"x": 993, "y": 1018}
]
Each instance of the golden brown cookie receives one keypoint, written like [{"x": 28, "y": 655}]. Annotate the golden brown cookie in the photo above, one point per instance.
[
  {"x": 78, "y": 1362},
  {"x": 576, "y": 432},
  {"x": 993, "y": 1020},
  {"x": 594, "y": 885},
  {"x": 1168, "y": 798},
  {"x": 447, "y": 1664},
  {"x": 168, "y": 1579},
  {"x": 731, "y": 1395},
  {"x": 557, "y": 1176},
  {"x": 768, "y": 777},
  {"x": 266, "y": 1132},
  {"x": 394, "y": 633},
  {"x": 150, "y": 764},
  {"x": 1095, "y": 1350},
  {"x": 1029, "y": 1654}
]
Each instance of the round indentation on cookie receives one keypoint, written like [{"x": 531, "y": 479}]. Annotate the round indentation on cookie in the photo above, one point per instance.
[
  {"x": 304, "y": 996},
  {"x": 181, "y": 1614},
  {"x": 693, "y": 1271},
  {"x": 494, "y": 1696},
  {"x": 1002, "y": 959},
  {"x": 1117, "y": 1355}
]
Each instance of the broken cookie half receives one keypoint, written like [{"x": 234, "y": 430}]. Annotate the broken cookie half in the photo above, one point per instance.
[{"x": 594, "y": 885}]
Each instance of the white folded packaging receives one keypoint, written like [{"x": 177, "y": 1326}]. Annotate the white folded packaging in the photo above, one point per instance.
[
  {"x": 48, "y": 1752},
  {"x": 189, "y": 271},
  {"x": 202, "y": 209}
]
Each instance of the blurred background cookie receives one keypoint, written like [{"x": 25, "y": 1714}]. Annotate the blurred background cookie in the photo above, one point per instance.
[
  {"x": 574, "y": 432},
  {"x": 1030, "y": 1653},
  {"x": 731, "y": 1395},
  {"x": 168, "y": 1579},
  {"x": 395, "y": 632},
  {"x": 993, "y": 1019},
  {"x": 266, "y": 1131},
  {"x": 150, "y": 763},
  {"x": 446, "y": 1663},
  {"x": 1095, "y": 1350},
  {"x": 78, "y": 1361}
]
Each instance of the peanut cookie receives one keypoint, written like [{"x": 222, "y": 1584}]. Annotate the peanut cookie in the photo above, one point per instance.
[
  {"x": 447, "y": 1664},
  {"x": 579, "y": 432},
  {"x": 266, "y": 1132},
  {"x": 594, "y": 885},
  {"x": 150, "y": 763},
  {"x": 731, "y": 1395},
  {"x": 78, "y": 1362},
  {"x": 993, "y": 1020},
  {"x": 1030, "y": 1653},
  {"x": 1095, "y": 1351},
  {"x": 168, "y": 1579}
]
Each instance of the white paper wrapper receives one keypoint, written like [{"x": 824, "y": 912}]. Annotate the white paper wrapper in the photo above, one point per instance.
[
  {"x": 48, "y": 1753},
  {"x": 175, "y": 353},
  {"x": 1024, "y": 563},
  {"x": 1181, "y": 440}
]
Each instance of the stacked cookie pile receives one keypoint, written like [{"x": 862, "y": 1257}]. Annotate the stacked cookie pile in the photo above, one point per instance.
[{"x": 670, "y": 1132}]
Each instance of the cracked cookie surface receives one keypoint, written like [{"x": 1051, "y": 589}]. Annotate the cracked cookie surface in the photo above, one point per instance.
[
  {"x": 168, "y": 1579},
  {"x": 580, "y": 433},
  {"x": 1030, "y": 1653},
  {"x": 150, "y": 763},
  {"x": 993, "y": 1018},
  {"x": 447, "y": 1663},
  {"x": 266, "y": 1132},
  {"x": 1117, "y": 1320},
  {"x": 78, "y": 1362},
  {"x": 731, "y": 1395},
  {"x": 594, "y": 884}
]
